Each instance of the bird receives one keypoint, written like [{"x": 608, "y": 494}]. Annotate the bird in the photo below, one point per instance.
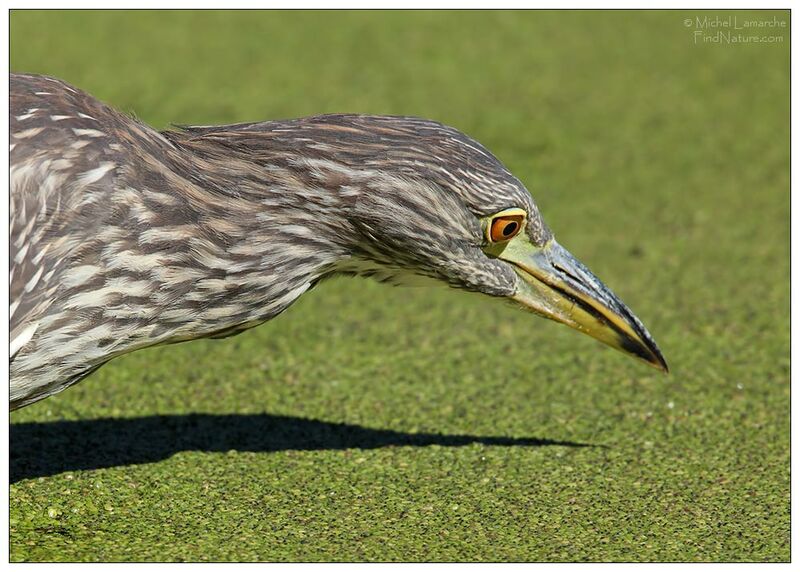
[{"x": 124, "y": 237}]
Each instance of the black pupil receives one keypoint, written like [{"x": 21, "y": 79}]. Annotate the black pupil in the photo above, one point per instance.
[{"x": 509, "y": 229}]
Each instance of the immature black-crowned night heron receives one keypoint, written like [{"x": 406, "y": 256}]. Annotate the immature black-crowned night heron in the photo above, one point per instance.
[{"x": 123, "y": 237}]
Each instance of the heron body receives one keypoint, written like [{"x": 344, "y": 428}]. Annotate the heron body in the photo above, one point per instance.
[{"x": 123, "y": 237}]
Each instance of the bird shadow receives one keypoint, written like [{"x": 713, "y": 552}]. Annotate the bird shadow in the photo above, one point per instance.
[{"x": 49, "y": 448}]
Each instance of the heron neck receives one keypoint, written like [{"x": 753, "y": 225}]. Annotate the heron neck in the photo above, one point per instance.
[{"x": 243, "y": 246}]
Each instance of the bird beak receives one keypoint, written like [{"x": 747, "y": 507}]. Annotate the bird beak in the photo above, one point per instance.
[{"x": 554, "y": 284}]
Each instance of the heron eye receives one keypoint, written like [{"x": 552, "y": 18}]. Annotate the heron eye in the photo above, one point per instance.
[{"x": 504, "y": 227}]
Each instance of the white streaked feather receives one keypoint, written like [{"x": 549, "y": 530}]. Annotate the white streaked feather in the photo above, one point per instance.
[
  {"x": 34, "y": 280},
  {"x": 88, "y": 133},
  {"x": 22, "y": 339},
  {"x": 97, "y": 173}
]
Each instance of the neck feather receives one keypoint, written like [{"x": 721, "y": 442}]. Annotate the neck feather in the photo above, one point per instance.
[{"x": 239, "y": 241}]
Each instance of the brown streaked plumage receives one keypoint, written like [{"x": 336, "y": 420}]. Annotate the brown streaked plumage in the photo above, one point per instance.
[{"x": 123, "y": 237}]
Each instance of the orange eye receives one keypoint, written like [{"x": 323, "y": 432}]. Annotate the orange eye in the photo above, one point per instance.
[{"x": 505, "y": 227}]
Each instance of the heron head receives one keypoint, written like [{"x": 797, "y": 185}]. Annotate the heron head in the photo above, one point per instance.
[{"x": 438, "y": 204}]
